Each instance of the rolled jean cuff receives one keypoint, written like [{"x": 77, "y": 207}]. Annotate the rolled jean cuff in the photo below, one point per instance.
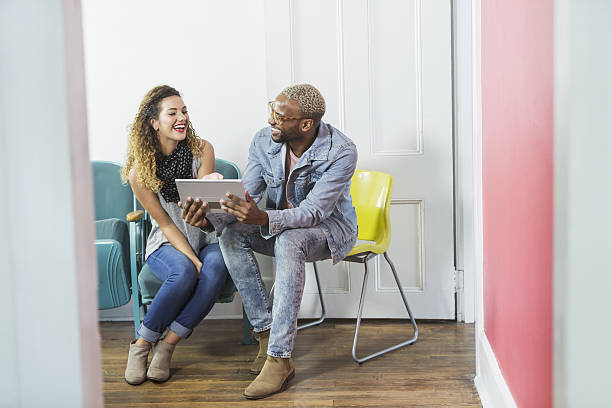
[
  {"x": 262, "y": 329},
  {"x": 181, "y": 330},
  {"x": 148, "y": 334},
  {"x": 279, "y": 355}
]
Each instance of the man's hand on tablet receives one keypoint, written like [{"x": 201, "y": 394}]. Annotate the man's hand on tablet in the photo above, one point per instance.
[{"x": 246, "y": 210}]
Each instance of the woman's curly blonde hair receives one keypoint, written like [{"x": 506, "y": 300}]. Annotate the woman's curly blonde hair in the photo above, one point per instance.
[{"x": 143, "y": 142}]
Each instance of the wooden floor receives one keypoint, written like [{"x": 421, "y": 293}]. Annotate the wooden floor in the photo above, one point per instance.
[{"x": 210, "y": 369}]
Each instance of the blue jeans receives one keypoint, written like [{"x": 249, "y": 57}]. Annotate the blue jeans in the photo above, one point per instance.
[
  {"x": 184, "y": 299},
  {"x": 292, "y": 249}
]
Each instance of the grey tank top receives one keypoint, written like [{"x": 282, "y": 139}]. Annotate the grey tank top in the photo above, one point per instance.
[{"x": 197, "y": 238}]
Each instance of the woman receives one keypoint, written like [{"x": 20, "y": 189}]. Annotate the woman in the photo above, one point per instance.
[{"x": 162, "y": 147}]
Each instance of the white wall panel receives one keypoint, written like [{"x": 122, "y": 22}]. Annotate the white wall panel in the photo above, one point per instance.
[
  {"x": 317, "y": 64},
  {"x": 395, "y": 76}
]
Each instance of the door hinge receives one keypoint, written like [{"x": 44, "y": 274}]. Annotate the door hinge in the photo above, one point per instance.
[
  {"x": 458, "y": 284},
  {"x": 458, "y": 280}
]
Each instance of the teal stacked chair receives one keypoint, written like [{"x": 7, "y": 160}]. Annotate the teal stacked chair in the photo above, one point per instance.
[
  {"x": 122, "y": 227},
  {"x": 113, "y": 201}
]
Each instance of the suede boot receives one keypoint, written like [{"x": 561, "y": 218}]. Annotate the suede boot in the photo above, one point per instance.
[
  {"x": 136, "y": 368},
  {"x": 260, "y": 360},
  {"x": 274, "y": 377},
  {"x": 159, "y": 369}
]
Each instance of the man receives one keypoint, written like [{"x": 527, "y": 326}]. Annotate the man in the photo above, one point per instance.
[{"x": 305, "y": 166}]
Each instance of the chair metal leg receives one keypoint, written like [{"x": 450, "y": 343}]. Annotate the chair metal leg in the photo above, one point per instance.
[
  {"x": 134, "y": 274},
  {"x": 322, "y": 318},
  {"x": 359, "y": 313}
]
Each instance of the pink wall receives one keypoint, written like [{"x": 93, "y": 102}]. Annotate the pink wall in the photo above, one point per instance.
[{"x": 517, "y": 150}]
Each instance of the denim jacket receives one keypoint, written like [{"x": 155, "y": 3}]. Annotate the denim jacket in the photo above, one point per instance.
[{"x": 318, "y": 187}]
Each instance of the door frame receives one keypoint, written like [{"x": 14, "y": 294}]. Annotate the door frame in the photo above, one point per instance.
[{"x": 467, "y": 158}]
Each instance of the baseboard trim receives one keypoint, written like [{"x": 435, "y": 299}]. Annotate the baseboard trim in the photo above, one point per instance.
[
  {"x": 490, "y": 383},
  {"x": 129, "y": 318}
]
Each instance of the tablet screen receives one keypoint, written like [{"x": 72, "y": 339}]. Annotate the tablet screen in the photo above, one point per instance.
[{"x": 210, "y": 191}]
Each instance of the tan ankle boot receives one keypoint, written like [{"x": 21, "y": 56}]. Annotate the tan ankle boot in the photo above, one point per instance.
[
  {"x": 159, "y": 369},
  {"x": 274, "y": 377},
  {"x": 260, "y": 360},
  {"x": 136, "y": 368}
]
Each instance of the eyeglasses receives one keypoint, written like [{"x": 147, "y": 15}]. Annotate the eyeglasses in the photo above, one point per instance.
[{"x": 279, "y": 118}]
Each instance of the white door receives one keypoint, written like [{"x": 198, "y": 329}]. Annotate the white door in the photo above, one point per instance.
[{"x": 384, "y": 68}]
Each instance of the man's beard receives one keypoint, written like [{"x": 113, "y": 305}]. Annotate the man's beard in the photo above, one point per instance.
[{"x": 282, "y": 137}]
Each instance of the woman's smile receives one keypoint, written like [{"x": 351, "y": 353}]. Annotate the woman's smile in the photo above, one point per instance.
[{"x": 180, "y": 128}]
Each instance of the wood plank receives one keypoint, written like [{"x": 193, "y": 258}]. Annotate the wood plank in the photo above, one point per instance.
[{"x": 210, "y": 369}]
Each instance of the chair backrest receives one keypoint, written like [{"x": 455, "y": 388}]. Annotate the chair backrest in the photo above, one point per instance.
[
  {"x": 371, "y": 194},
  {"x": 112, "y": 199},
  {"x": 228, "y": 169}
]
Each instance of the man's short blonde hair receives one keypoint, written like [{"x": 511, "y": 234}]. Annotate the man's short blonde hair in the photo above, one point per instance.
[{"x": 312, "y": 104}]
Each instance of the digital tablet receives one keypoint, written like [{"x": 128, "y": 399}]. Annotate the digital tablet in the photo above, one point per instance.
[{"x": 210, "y": 191}]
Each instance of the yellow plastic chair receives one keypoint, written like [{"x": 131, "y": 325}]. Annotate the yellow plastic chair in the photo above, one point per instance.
[{"x": 371, "y": 193}]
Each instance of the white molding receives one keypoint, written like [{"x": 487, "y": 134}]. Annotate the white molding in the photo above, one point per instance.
[
  {"x": 125, "y": 314},
  {"x": 340, "y": 50},
  {"x": 418, "y": 49},
  {"x": 421, "y": 250},
  {"x": 419, "y": 89},
  {"x": 477, "y": 172},
  {"x": 464, "y": 135},
  {"x": 130, "y": 319},
  {"x": 370, "y": 75},
  {"x": 292, "y": 40},
  {"x": 563, "y": 36},
  {"x": 490, "y": 383},
  {"x": 219, "y": 317},
  {"x": 116, "y": 319}
]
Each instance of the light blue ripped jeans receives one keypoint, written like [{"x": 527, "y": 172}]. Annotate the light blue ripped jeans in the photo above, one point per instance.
[{"x": 292, "y": 249}]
